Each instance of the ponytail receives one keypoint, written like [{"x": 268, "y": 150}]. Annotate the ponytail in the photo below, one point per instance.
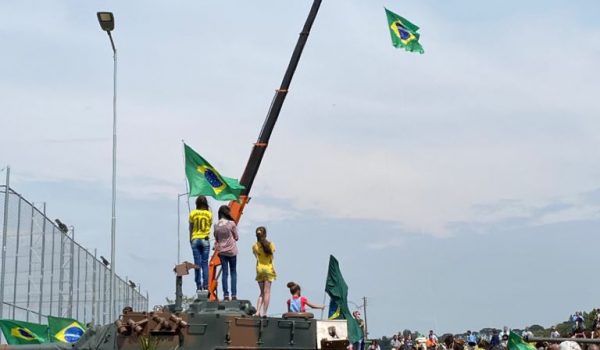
[{"x": 261, "y": 237}]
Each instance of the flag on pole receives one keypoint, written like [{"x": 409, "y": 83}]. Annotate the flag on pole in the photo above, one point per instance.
[
  {"x": 65, "y": 330},
  {"x": 404, "y": 33},
  {"x": 21, "y": 332},
  {"x": 515, "y": 342},
  {"x": 337, "y": 289},
  {"x": 205, "y": 180}
]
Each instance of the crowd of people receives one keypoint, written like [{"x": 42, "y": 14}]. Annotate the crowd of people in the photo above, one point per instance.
[{"x": 496, "y": 339}]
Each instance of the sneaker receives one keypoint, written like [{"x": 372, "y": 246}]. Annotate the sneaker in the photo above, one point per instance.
[
  {"x": 234, "y": 298},
  {"x": 226, "y": 298}
]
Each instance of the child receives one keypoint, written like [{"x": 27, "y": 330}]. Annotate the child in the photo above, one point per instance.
[
  {"x": 297, "y": 303},
  {"x": 265, "y": 272}
]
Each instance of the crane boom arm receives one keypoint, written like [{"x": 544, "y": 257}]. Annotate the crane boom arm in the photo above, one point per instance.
[{"x": 259, "y": 148}]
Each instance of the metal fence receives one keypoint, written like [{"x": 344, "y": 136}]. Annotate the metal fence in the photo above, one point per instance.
[{"x": 45, "y": 272}]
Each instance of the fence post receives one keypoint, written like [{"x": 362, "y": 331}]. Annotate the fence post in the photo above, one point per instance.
[
  {"x": 85, "y": 286},
  {"x": 42, "y": 266},
  {"x": 16, "y": 258},
  {"x": 30, "y": 253},
  {"x": 4, "y": 233},
  {"x": 52, "y": 273},
  {"x": 94, "y": 305},
  {"x": 78, "y": 278},
  {"x": 71, "y": 280}
]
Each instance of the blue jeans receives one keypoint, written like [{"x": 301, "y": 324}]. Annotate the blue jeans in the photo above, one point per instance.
[
  {"x": 228, "y": 264},
  {"x": 200, "y": 250}
]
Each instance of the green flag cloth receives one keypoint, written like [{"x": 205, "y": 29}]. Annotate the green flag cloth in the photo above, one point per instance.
[
  {"x": 337, "y": 289},
  {"x": 404, "y": 34},
  {"x": 515, "y": 342},
  {"x": 20, "y": 332},
  {"x": 65, "y": 330},
  {"x": 205, "y": 180}
]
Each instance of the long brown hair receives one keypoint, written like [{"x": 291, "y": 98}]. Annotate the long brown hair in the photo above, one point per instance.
[
  {"x": 261, "y": 237},
  {"x": 202, "y": 203}
]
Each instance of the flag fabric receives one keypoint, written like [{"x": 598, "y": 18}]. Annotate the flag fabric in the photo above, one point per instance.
[
  {"x": 205, "y": 180},
  {"x": 65, "y": 330},
  {"x": 335, "y": 312},
  {"x": 404, "y": 33},
  {"x": 337, "y": 289},
  {"x": 515, "y": 342},
  {"x": 21, "y": 332}
]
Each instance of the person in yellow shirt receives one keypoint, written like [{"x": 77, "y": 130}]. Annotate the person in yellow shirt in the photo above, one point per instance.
[
  {"x": 200, "y": 224},
  {"x": 265, "y": 272}
]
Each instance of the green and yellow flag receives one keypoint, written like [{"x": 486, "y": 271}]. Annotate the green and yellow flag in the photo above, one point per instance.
[
  {"x": 65, "y": 330},
  {"x": 21, "y": 332},
  {"x": 337, "y": 289},
  {"x": 404, "y": 34},
  {"x": 205, "y": 180},
  {"x": 515, "y": 342}
]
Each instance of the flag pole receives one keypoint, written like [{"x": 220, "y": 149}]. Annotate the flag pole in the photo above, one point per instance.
[
  {"x": 324, "y": 298},
  {"x": 325, "y": 293},
  {"x": 187, "y": 190}
]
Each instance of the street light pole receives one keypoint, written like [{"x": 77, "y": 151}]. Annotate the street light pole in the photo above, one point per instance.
[{"x": 107, "y": 23}]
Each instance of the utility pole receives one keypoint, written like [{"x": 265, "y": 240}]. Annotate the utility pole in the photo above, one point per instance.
[{"x": 365, "y": 312}]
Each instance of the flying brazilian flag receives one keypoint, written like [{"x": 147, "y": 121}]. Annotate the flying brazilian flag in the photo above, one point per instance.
[
  {"x": 337, "y": 289},
  {"x": 404, "y": 34},
  {"x": 65, "y": 330},
  {"x": 20, "y": 332},
  {"x": 205, "y": 180},
  {"x": 515, "y": 342}
]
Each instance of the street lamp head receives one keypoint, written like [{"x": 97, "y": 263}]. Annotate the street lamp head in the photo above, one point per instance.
[
  {"x": 105, "y": 262},
  {"x": 61, "y": 226},
  {"x": 107, "y": 21}
]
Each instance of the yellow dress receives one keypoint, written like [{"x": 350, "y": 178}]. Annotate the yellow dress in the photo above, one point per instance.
[{"x": 264, "y": 263}]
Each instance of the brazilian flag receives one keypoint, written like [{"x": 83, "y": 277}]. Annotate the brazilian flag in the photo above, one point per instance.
[
  {"x": 515, "y": 342},
  {"x": 205, "y": 180},
  {"x": 21, "y": 332},
  {"x": 65, "y": 330},
  {"x": 335, "y": 311},
  {"x": 337, "y": 289},
  {"x": 404, "y": 33}
]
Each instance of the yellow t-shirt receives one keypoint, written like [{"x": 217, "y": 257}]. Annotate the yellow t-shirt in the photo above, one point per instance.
[
  {"x": 264, "y": 263},
  {"x": 201, "y": 221}
]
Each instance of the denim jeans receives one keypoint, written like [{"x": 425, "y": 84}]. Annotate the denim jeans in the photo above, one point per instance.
[
  {"x": 200, "y": 250},
  {"x": 228, "y": 265}
]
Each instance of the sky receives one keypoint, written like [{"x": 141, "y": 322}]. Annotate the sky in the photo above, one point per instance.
[{"x": 458, "y": 189}]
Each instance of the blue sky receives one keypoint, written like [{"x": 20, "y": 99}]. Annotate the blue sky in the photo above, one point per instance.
[{"x": 451, "y": 185}]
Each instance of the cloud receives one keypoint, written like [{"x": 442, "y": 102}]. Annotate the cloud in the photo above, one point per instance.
[
  {"x": 390, "y": 243},
  {"x": 368, "y": 132}
]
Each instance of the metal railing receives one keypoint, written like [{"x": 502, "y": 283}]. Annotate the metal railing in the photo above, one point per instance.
[{"x": 45, "y": 272}]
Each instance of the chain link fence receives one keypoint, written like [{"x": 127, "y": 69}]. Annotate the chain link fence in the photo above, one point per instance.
[{"x": 45, "y": 272}]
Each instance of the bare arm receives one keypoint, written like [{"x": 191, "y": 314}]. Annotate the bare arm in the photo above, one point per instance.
[
  {"x": 315, "y": 306},
  {"x": 191, "y": 230}
]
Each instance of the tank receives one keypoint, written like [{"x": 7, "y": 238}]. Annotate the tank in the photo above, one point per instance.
[{"x": 204, "y": 325}]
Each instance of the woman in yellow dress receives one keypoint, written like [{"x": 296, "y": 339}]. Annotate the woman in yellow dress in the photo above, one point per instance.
[{"x": 265, "y": 273}]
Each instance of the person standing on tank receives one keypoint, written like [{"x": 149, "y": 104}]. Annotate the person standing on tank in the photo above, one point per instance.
[
  {"x": 265, "y": 272},
  {"x": 200, "y": 224},
  {"x": 226, "y": 235}
]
